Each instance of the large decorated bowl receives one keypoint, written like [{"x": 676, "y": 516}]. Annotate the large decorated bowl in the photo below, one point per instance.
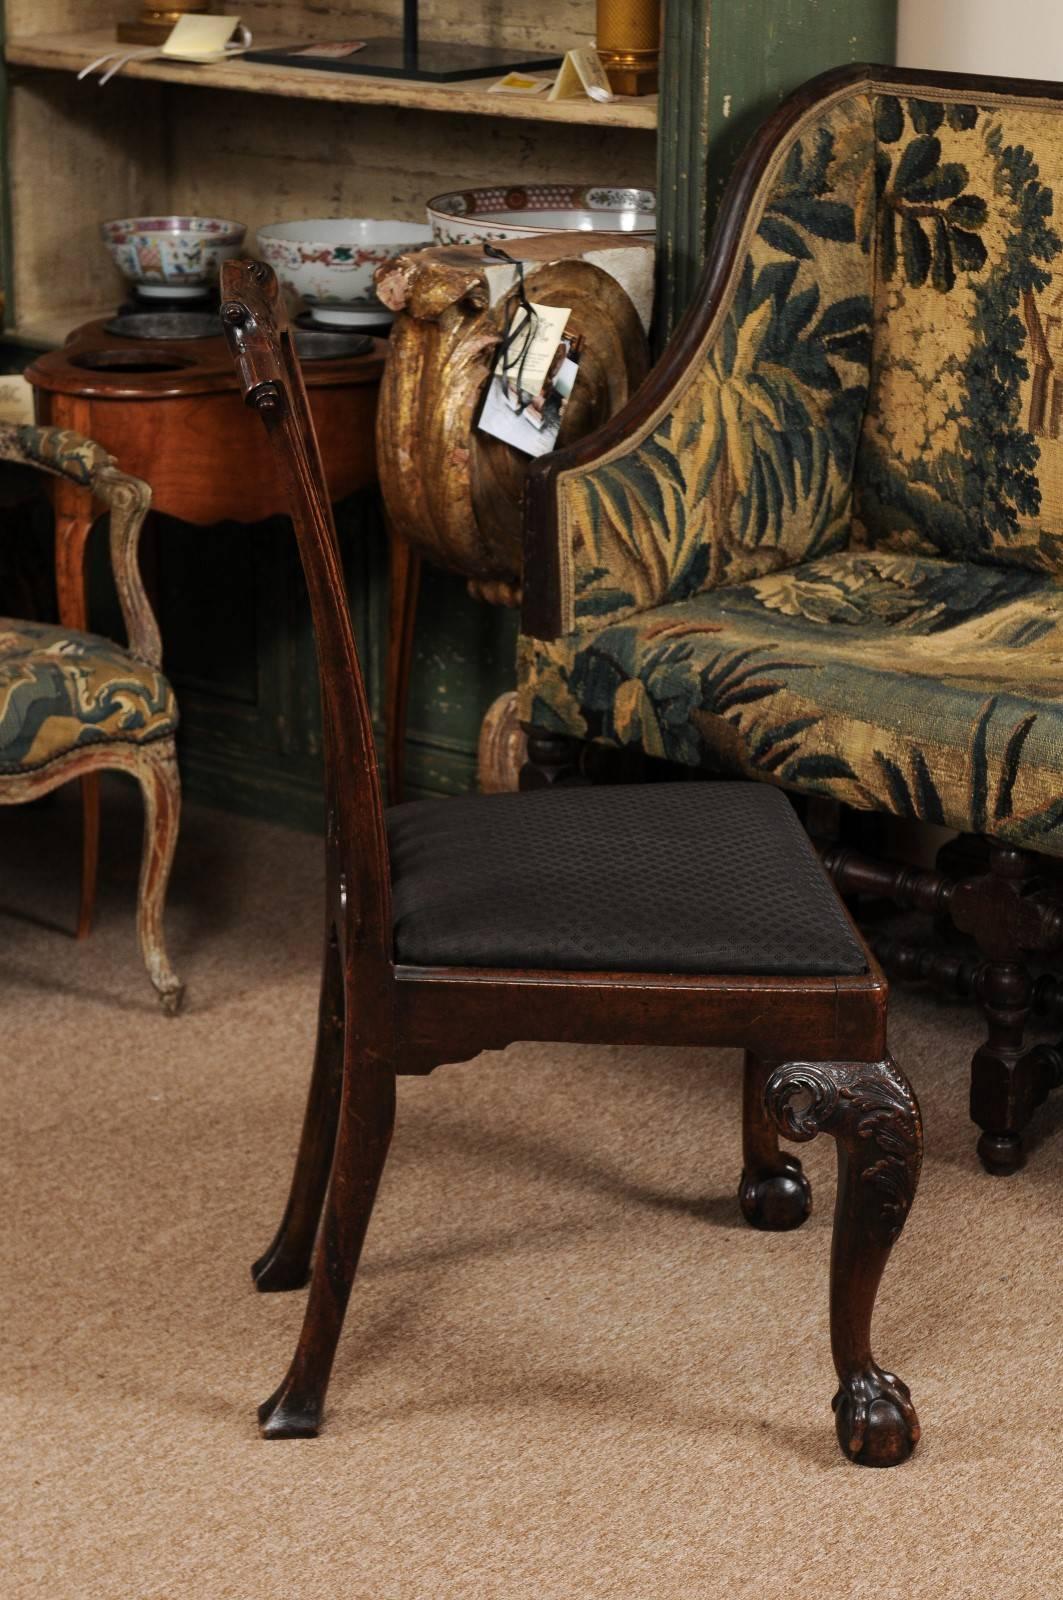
[
  {"x": 172, "y": 257},
  {"x": 330, "y": 263},
  {"x": 471, "y": 216}
]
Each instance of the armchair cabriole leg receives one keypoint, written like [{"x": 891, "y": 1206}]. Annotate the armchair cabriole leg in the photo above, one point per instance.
[
  {"x": 90, "y": 853},
  {"x": 870, "y": 1111},
  {"x": 367, "y": 1118},
  {"x": 161, "y": 789},
  {"x": 286, "y": 1264},
  {"x": 774, "y": 1193}
]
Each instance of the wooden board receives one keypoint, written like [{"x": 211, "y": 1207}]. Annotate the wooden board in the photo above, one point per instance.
[{"x": 69, "y": 52}]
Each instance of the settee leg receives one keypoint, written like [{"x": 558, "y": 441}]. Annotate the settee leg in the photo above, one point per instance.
[
  {"x": 1002, "y": 1087},
  {"x": 1004, "y": 911},
  {"x": 774, "y": 1193},
  {"x": 552, "y": 758}
]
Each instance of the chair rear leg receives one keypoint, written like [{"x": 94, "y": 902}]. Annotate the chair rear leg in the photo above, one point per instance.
[
  {"x": 90, "y": 852},
  {"x": 870, "y": 1111},
  {"x": 367, "y": 1118},
  {"x": 286, "y": 1264},
  {"x": 774, "y": 1193},
  {"x": 161, "y": 788}
]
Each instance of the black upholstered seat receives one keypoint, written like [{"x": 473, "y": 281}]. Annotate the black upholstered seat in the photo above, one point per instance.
[{"x": 677, "y": 877}]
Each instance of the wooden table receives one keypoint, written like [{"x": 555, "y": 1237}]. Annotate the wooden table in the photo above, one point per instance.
[{"x": 171, "y": 413}]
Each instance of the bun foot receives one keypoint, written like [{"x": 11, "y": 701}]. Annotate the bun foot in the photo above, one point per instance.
[
  {"x": 776, "y": 1201},
  {"x": 275, "y": 1272},
  {"x": 1001, "y": 1154},
  {"x": 875, "y": 1419},
  {"x": 286, "y": 1416}
]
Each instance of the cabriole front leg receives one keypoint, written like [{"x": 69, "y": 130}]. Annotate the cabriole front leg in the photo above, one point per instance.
[
  {"x": 160, "y": 785},
  {"x": 870, "y": 1111}
]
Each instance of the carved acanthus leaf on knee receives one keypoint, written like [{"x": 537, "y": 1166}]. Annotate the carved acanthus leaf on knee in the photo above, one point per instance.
[{"x": 869, "y": 1103}]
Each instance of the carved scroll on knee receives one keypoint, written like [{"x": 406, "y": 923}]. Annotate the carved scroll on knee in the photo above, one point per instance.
[{"x": 871, "y": 1106}]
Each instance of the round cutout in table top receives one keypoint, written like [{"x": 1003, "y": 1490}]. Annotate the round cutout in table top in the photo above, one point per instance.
[{"x": 130, "y": 361}]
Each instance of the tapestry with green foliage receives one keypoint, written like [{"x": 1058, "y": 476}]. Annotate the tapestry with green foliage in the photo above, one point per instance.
[
  {"x": 961, "y": 453},
  {"x": 751, "y": 467},
  {"x": 914, "y": 685}
]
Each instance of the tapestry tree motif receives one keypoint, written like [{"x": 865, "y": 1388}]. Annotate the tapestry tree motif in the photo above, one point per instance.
[{"x": 752, "y": 467}]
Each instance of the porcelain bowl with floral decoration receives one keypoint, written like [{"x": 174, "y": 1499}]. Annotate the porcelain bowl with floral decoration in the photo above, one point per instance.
[
  {"x": 331, "y": 262},
  {"x": 470, "y": 216},
  {"x": 172, "y": 257}
]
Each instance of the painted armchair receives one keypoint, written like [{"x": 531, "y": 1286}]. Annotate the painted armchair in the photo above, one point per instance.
[
  {"x": 823, "y": 546},
  {"x": 73, "y": 704}
]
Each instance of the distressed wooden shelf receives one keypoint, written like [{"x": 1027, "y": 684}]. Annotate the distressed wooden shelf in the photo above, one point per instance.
[{"x": 69, "y": 52}]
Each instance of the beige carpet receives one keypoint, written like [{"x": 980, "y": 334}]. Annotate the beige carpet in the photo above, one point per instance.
[{"x": 569, "y": 1373}]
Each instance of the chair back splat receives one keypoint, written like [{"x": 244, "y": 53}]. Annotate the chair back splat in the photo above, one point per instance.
[{"x": 256, "y": 327}]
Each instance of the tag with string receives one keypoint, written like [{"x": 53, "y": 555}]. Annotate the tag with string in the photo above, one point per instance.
[{"x": 533, "y": 372}]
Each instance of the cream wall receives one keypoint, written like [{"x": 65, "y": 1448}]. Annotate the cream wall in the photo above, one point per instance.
[{"x": 1009, "y": 38}]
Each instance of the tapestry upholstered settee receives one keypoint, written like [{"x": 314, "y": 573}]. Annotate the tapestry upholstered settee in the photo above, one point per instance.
[{"x": 823, "y": 545}]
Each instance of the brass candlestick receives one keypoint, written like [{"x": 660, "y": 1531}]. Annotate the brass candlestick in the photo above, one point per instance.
[
  {"x": 155, "y": 21},
  {"x": 629, "y": 43}
]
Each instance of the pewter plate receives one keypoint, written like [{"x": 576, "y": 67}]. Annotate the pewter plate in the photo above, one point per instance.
[
  {"x": 165, "y": 325},
  {"x": 319, "y": 344}
]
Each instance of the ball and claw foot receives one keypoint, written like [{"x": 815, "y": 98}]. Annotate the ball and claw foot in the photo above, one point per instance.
[
  {"x": 284, "y": 1416},
  {"x": 776, "y": 1202},
  {"x": 875, "y": 1419},
  {"x": 1001, "y": 1154}
]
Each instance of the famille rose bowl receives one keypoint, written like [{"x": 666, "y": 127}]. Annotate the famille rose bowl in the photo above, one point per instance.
[
  {"x": 172, "y": 256},
  {"x": 331, "y": 262},
  {"x": 470, "y": 216}
]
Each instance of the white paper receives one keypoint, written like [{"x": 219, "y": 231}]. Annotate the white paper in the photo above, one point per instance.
[{"x": 198, "y": 37}]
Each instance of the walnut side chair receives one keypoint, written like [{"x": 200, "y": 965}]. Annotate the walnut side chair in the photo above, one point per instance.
[
  {"x": 73, "y": 705},
  {"x": 680, "y": 914}
]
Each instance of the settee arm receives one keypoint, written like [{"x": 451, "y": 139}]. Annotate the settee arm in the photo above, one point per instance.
[
  {"x": 618, "y": 474},
  {"x": 64, "y": 454}
]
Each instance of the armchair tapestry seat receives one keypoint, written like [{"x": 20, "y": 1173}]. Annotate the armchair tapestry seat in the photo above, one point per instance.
[
  {"x": 62, "y": 691},
  {"x": 823, "y": 546}
]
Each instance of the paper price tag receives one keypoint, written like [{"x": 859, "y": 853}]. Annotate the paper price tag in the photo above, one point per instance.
[
  {"x": 537, "y": 346},
  {"x": 532, "y": 381},
  {"x": 582, "y": 73},
  {"x": 198, "y": 37}
]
